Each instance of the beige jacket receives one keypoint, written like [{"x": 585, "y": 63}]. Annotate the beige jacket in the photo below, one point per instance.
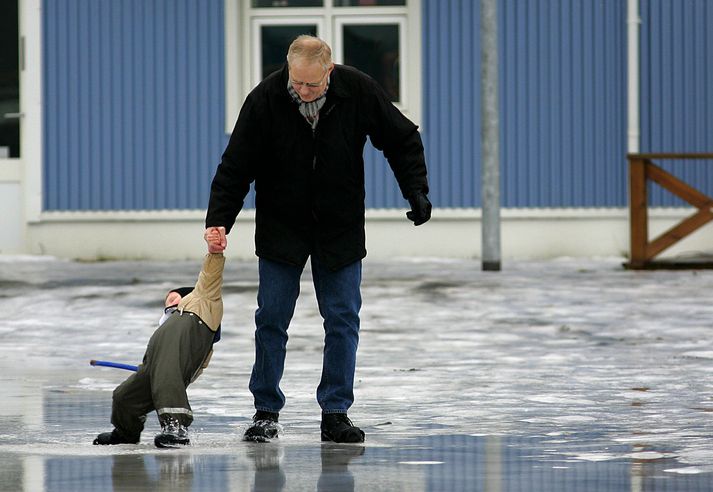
[{"x": 206, "y": 300}]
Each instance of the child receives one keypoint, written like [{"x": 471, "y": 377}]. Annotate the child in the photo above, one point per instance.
[{"x": 176, "y": 354}]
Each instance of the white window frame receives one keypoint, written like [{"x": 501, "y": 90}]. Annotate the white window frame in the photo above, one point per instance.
[
  {"x": 338, "y": 47},
  {"x": 255, "y": 26},
  {"x": 242, "y": 45}
]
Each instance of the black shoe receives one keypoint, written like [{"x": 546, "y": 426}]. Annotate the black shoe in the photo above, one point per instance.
[
  {"x": 338, "y": 428},
  {"x": 264, "y": 428},
  {"x": 113, "y": 437},
  {"x": 172, "y": 435}
]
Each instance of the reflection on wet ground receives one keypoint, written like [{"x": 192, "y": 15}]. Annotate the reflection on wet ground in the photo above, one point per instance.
[
  {"x": 567, "y": 375},
  {"x": 433, "y": 463}
]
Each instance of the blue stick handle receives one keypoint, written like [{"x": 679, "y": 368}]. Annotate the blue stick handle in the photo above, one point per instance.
[{"x": 117, "y": 365}]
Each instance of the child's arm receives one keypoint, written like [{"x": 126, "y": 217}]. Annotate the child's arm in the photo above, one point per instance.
[{"x": 206, "y": 299}]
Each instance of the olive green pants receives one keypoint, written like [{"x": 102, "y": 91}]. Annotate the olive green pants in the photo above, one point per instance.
[{"x": 174, "y": 356}]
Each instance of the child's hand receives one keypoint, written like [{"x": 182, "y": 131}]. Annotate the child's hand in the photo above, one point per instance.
[{"x": 215, "y": 237}]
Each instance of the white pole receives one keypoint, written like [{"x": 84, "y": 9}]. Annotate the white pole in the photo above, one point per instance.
[
  {"x": 633, "y": 22},
  {"x": 489, "y": 135}
]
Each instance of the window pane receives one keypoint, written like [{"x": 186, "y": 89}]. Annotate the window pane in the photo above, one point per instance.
[
  {"x": 374, "y": 49},
  {"x": 9, "y": 82},
  {"x": 275, "y": 40},
  {"x": 368, "y": 3},
  {"x": 286, "y": 3}
]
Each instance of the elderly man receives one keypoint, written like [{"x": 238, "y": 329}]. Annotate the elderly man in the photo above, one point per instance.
[{"x": 300, "y": 137}]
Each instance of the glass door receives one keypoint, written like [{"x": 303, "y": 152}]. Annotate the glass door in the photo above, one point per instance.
[
  {"x": 10, "y": 114},
  {"x": 12, "y": 237}
]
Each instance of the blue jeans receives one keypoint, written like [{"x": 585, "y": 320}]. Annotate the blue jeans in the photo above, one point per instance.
[{"x": 339, "y": 299}]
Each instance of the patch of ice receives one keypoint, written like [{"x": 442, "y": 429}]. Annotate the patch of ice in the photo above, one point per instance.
[
  {"x": 688, "y": 470},
  {"x": 95, "y": 384},
  {"x": 559, "y": 400},
  {"x": 421, "y": 462},
  {"x": 596, "y": 457},
  {"x": 700, "y": 354},
  {"x": 574, "y": 418},
  {"x": 648, "y": 455}
]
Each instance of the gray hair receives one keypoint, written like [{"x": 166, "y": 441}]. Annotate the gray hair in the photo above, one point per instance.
[{"x": 311, "y": 49}]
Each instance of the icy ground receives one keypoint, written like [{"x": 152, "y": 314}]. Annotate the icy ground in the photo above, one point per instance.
[{"x": 552, "y": 375}]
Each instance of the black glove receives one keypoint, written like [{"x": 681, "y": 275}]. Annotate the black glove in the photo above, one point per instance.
[{"x": 420, "y": 208}]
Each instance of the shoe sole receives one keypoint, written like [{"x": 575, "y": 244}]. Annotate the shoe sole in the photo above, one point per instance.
[
  {"x": 328, "y": 438},
  {"x": 174, "y": 445},
  {"x": 171, "y": 446},
  {"x": 258, "y": 438}
]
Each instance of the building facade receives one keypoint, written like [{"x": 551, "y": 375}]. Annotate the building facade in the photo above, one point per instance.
[{"x": 124, "y": 108}]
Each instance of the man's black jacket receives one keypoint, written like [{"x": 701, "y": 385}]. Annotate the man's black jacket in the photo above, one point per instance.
[{"x": 309, "y": 185}]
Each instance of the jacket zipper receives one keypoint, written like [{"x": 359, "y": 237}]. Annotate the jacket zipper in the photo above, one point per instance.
[
  {"x": 314, "y": 149},
  {"x": 314, "y": 136}
]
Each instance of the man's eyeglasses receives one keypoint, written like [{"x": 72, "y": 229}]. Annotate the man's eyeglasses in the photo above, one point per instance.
[{"x": 311, "y": 85}]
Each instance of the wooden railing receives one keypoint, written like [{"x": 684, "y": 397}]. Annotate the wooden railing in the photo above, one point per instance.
[{"x": 641, "y": 170}]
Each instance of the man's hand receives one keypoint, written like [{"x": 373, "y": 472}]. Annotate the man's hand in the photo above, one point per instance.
[
  {"x": 215, "y": 237},
  {"x": 420, "y": 208}
]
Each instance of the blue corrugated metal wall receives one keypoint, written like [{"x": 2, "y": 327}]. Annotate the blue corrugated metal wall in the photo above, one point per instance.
[
  {"x": 562, "y": 99},
  {"x": 134, "y": 101},
  {"x": 133, "y": 93},
  {"x": 563, "y": 103},
  {"x": 677, "y": 89},
  {"x": 451, "y": 101}
]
